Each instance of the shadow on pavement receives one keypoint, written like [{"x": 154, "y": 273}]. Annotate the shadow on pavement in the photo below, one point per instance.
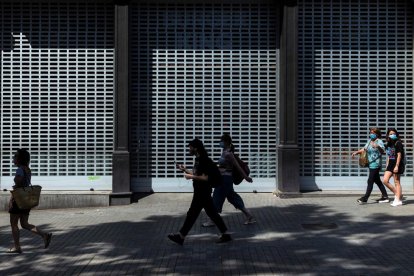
[{"x": 277, "y": 244}]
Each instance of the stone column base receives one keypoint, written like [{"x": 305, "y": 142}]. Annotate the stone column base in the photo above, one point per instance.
[
  {"x": 121, "y": 187},
  {"x": 288, "y": 169},
  {"x": 120, "y": 198}
]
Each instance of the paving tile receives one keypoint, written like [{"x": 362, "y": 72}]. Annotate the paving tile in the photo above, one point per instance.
[{"x": 368, "y": 239}]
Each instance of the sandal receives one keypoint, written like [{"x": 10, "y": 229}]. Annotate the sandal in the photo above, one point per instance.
[
  {"x": 14, "y": 250},
  {"x": 47, "y": 239}
]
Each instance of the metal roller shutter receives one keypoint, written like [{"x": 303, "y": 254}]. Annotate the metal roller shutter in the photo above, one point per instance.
[
  {"x": 57, "y": 92},
  {"x": 355, "y": 71},
  {"x": 199, "y": 70}
]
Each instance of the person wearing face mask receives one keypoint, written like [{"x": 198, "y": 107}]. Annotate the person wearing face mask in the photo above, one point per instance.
[
  {"x": 201, "y": 196},
  {"x": 375, "y": 148},
  {"x": 227, "y": 163},
  {"x": 395, "y": 165}
]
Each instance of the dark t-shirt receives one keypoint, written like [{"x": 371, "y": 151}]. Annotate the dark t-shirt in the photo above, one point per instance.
[
  {"x": 393, "y": 149},
  {"x": 206, "y": 166},
  {"x": 200, "y": 168}
]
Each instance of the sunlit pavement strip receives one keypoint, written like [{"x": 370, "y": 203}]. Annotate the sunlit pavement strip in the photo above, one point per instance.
[{"x": 289, "y": 238}]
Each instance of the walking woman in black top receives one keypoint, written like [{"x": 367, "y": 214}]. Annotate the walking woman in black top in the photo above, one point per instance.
[
  {"x": 201, "y": 196},
  {"x": 22, "y": 179},
  {"x": 395, "y": 164}
]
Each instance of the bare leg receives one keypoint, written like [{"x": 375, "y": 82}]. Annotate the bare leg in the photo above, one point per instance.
[
  {"x": 249, "y": 217},
  {"x": 386, "y": 181},
  {"x": 24, "y": 222},
  {"x": 14, "y": 220},
  {"x": 246, "y": 212},
  {"x": 398, "y": 189}
]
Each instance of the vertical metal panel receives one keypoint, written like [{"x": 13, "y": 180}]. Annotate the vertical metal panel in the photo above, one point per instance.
[
  {"x": 199, "y": 70},
  {"x": 57, "y": 91},
  {"x": 355, "y": 71}
]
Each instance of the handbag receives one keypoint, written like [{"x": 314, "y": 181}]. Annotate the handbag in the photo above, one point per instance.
[
  {"x": 27, "y": 197},
  {"x": 363, "y": 159},
  {"x": 237, "y": 176}
]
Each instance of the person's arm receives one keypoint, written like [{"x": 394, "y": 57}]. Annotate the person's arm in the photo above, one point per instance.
[
  {"x": 202, "y": 177},
  {"x": 379, "y": 144},
  {"x": 397, "y": 164},
  {"x": 237, "y": 167},
  {"x": 398, "y": 149},
  {"x": 182, "y": 168},
  {"x": 358, "y": 152},
  {"x": 19, "y": 178},
  {"x": 386, "y": 162}
]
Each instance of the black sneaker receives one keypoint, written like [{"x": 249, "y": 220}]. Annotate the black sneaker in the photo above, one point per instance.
[
  {"x": 383, "y": 200},
  {"x": 362, "y": 200},
  {"x": 224, "y": 238},
  {"x": 176, "y": 238}
]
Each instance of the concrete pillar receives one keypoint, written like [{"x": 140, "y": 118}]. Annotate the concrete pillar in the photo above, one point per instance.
[
  {"x": 121, "y": 188},
  {"x": 288, "y": 151}
]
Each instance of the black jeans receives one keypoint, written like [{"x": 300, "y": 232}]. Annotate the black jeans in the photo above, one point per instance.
[
  {"x": 375, "y": 177},
  {"x": 202, "y": 199}
]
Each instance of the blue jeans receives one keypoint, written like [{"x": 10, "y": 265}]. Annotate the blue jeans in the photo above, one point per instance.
[{"x": 225, "y": 190}]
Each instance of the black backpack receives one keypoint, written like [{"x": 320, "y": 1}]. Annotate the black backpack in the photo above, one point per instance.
[{"x": 214, "y": 175}]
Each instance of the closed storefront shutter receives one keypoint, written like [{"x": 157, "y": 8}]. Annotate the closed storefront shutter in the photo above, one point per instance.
[
  {"x": 199, "y": 70},
  {"x": 355, "y": 72},
  {"x": 57, "y": 84}
]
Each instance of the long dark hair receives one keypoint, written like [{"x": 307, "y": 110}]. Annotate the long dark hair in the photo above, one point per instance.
[
  {"x": 390, "y": 141},
  {"x": 201, "y": 150},
  {"x": 22, "y": 157},
  {"x": 227, "y": 138}
]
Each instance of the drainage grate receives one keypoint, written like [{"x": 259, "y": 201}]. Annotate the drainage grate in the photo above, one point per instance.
[{"x": 319, "y": 226}]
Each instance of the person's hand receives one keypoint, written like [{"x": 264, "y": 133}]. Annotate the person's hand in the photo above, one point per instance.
[
  {"x": 188, "y": 176},
  {"x": 249, "y": 179},
  {"x": 181, "y": 167},
  {"x": 395, "y": 169},
  {"x": 354, "y": 153}
]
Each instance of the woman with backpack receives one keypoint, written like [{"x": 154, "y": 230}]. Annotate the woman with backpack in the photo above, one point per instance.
[
  {"x": 227, "y": 164},
  {"x": 395, "y": 164}
]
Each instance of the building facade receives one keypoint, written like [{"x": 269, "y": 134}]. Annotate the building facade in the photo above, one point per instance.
[{"x": 107, "y": 94}]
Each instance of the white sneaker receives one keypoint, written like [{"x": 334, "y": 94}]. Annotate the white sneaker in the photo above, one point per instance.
[{"x": 396, "y": 203}]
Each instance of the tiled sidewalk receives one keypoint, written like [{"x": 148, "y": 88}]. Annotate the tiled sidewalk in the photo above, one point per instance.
[{"x": 305, "y": 236}]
